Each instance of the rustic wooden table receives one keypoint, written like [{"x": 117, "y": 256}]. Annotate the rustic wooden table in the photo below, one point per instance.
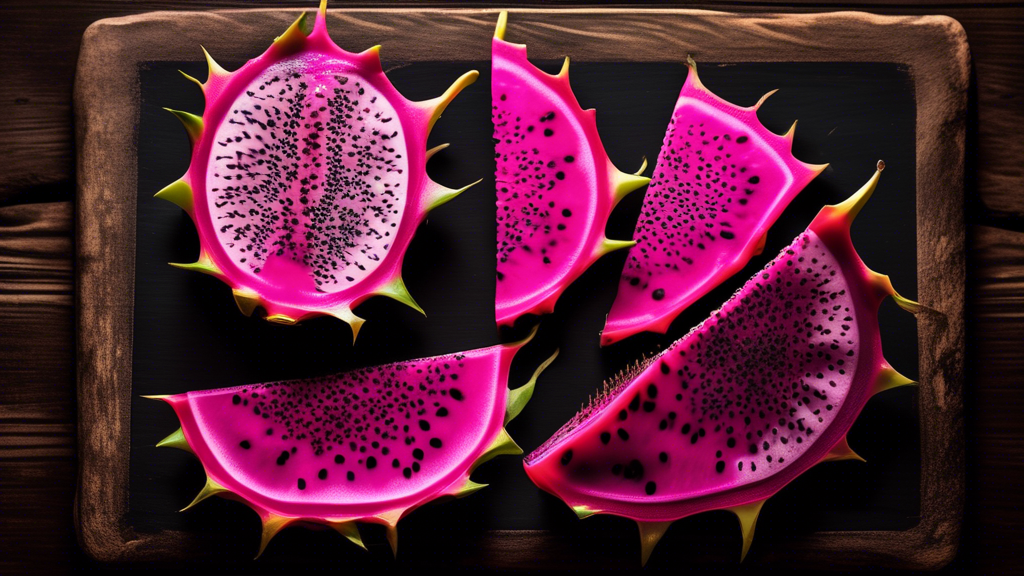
[{"x": 39, "y": 43}]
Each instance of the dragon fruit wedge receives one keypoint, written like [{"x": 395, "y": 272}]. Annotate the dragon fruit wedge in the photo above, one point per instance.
[
  {"x": 556, "y": 185},
  {"x": 308, "y": 177},
  {"x": 369, "y": 445},
  {"x": 765, "y": 388},
  {"x": 721, "y": 180}
]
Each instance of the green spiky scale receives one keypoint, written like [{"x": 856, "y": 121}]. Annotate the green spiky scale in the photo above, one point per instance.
[
  {"x": 518, "y": 398},
  {"x": 178, "y": 193}
]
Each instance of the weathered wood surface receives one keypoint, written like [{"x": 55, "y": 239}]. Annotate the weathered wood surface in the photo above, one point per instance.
[{"x": 38, "y": 48}]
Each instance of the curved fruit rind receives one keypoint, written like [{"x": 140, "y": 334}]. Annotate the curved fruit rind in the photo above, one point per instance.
[
  {"x": 721, "y": 180},
  {"x": 556, "y": 185},
  {"x": 307, "y": 221},
  {"x": 312, "y": 420},
  {"x": 739, "y": 372}
]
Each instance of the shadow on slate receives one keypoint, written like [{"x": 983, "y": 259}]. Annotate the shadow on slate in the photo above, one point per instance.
[{"x": 189, "y": 335}]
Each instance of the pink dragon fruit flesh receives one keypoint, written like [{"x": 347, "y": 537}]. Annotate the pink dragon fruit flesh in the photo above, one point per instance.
[
  {"x": 721, "y": 180},
  {"x": 308, "y": 177},
  {"x": 556, "y": 185},
  {"x": 765, "y": 388},
  {"x": 369, "y": 445}
]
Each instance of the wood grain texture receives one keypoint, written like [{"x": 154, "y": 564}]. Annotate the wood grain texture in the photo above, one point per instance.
[
  {"x": 39, "y": 42},
  {"x": 933, "y": 48}
]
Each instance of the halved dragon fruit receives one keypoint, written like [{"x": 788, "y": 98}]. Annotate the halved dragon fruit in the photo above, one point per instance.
[
  {"x": 308, "y": 177},
  {"x": 766, "y": 387},
  {"x": 556, "y": 185},
  {"x": 369, "y": 445},
  {"x": 721, "y": 180}
]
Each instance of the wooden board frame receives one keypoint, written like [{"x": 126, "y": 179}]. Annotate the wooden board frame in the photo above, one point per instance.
[{"x": 934, "y": 48}]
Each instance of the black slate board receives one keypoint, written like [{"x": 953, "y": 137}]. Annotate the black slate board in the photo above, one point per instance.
[{"x": 189, "y": 335}]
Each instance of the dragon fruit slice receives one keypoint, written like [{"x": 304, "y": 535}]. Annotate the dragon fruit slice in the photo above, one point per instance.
[
  {"x": 766, "y": 387},
  {"x": 556, "y": 185},
  {"x": 721, "y": 180},
  {"x": 369, "y": 445},
  {"x": 308, "y": 177}
]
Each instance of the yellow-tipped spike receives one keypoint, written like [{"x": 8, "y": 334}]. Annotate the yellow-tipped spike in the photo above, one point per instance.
[
  {"x": 204, "y": 265},
  {"x": 215, "y": 69},
  {"x": 841, "y": 451},
  {"x": 526, "y": 340},
  {"x": 643, "y": 166},
  {"x": 272, "y": 524},
  {"x": 391, "y": 532},
  {"x": 350, "y": 531},
  {"x": 852, "y": 205},
  {"x": 293, "y": 38},
  {"x": 355, "y": 322},
  {"x": 176, "y": 440},
  {"x": 503, "y": 444},
  {"x": 650, "y": 535},
  {"x": 747, "y": 514},
  {"x": 499, "y": 29},
  {"x": 435, "y": 150},
  {"x": 626, "y": 183},
  {"x": 437, "y": 105},
  {"x": 468, "y": 488},
  {"x": 322, "y": 10},
  {"x": 518, "y": 398},
  {"x": 564, "y": 72},
  {"x": 791, "y": 133},
  {"x": 906, "y": 303},
  {"x": 211, "y": 488},
  {"x": 198, "y": 83},
  {"x": 178, "y": 193},
  {"x": 608, "y": 245},
  {"x": 193, "y": 124},
  {"x": 888, "y": 378},
  {"x": 583, "y": 512},
  {"x": 763, "y": 98},
  {"x": 441, "y": 195},
  {"x": 157, "y": 397},
  {"x": 283, "y": 319},
  {"x": 247, "y": 301},
  {"x": 396, "y": 290}
]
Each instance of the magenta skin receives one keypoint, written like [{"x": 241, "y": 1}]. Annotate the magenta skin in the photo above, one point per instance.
[
  {"x": 765, "y": 388},
  {"x": 370, "y": 445},
  {"x": 721, "y": 180},
  {"x": 308, "y": 177},
  {"x": 556, "y": 186}
]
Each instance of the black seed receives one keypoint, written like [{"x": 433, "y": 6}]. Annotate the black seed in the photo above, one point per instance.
[
  {"x": 566, "y": 212},
  {"x": 623, "y": 434},
  {"x": 658, "y": 294},
  {"x": 720, "y": 466},
  {"x": 567, "y": 457},
  {"x": 634, "y": 281},
  {"x": 634, "y": 404},
  {"x": 548, "y": 132},
  {"x": 441, "y": 412},
  {"x": 634, "y": 470},
  {"x": 302, "y": 484},
  {"x": 415, "y": 466},
  {"x": 726, "y": 234},
  {"x": 424, "y": 425},
  {"x": 339, "y": 459},
  {"x": 245, "y": 444},
  {"x": 322, "y": 474},
  {"x": 753, "y": 448},
  {"x": 569, "y": 159},
  {"x": 754, "y": 180},
  {"x": 663, "y": 456},
  {"x": 605, "y": 437},
  {"x": 455, "y": 393},
  {"x": 351, "y": 475},
  {"x": 417, "y": 454},
  {"x": 394, "y": 463},
  {"x": 650, "y": 488},
  {"x": 731, "y": 442},
  {"x": 435, "y": 442},
  {"x": 371, "y": 463},
  {"x": 648, "y": 406},
  {"x": 560, "y": 175},
  {"x": 623, "y": 414},
  {"x": 270, "y": 431},
  {"x": 236, "y": 399},
  {"x": 282, "y": 458},
  {"x": 686, "y": 428},
  {"x": 741, "y": 139}
]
